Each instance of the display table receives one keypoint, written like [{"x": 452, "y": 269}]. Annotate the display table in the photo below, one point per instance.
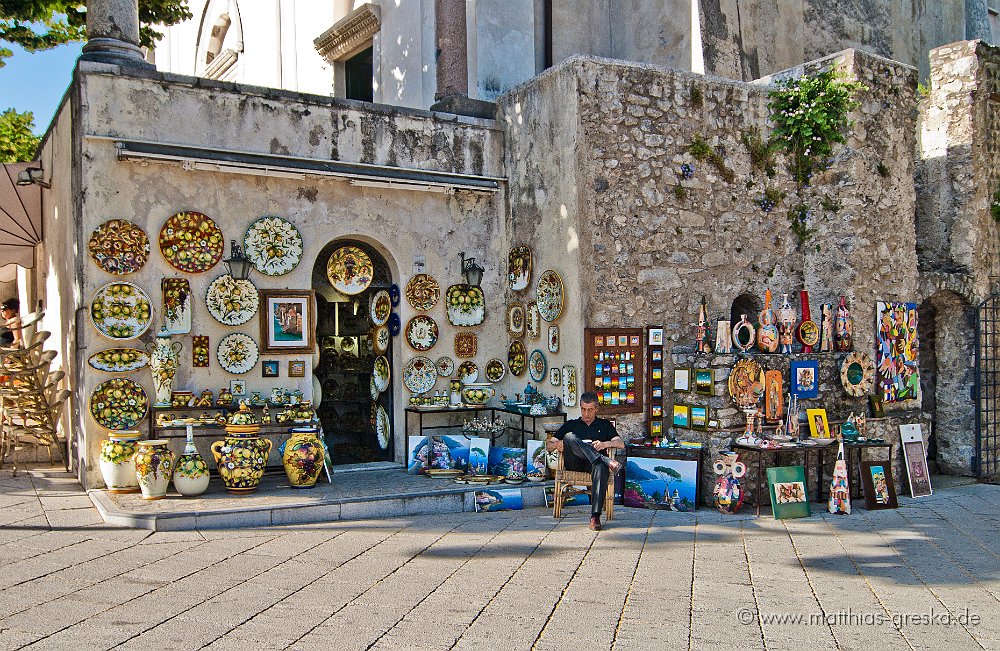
[
  {"x": 475, "y": 410},
  {"x": 818, "y": 451}
]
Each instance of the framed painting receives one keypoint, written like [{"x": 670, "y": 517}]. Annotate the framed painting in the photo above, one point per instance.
[
  {"x": 916, "y": 460},
  {"x": 296, "y": 368},
  {"x": 704, "y": 381},
  {"x": 501, "y": 499},
  {"x": 805, "y": 378},
  {"x": 269, "y": 368},
  {"x": 287, "y": 321},
  {"x": 682, "y": 379},
  {"x": 682, "y": 416},
  {"x": 656, "y": 336},
  {"x": 819, "y": 426},
  {"x": 657, "y": 483},
  {"x": 789, "y": 495},
  {"x": 898, "y": 375},
  {"x": 699, "y": 417},
  {"x": 880, "y": 491}
]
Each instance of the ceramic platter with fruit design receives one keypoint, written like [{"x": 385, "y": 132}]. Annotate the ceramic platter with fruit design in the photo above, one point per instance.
[
  {"x": 119, "y": 360},
  {"x": 237, "y": 353},
  {"x": 118, "y": 404},
  {"x": 421, "y": 332},
  {"x": 176, "y": 293},
  {"x": 381, "y": 373},
  {"x": 446, "y": 366},
  {"x": 380, "y": 307},
  {"x": 191, "y": 242},
  {"x": 273, "y": 245},
  {"x": 549, "y": 295},
  {"x": 119, "y": 247},
  {"x": 382, "y": 427},
  {"x": 495, "y": 370},
  {"x": 519, "y": 268},
  {"x": 380, "y": 339},
  {"x": 230, "y": 301},
  {"x": 517, "y": 358},
  {"x": 420, "y": 374},
  {"x": 121, "y": 311},
  {"x": 468, "y": 372},
  {"x": 466, "y": 305},
  {"x": 422, "y": 292},
  {"x": 349, "y": 270}
]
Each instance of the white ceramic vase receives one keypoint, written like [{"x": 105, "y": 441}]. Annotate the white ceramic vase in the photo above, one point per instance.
[
  {"x": 154, "y": 464},
  {"x": 191, "y": 472},
  {"x": 164, "y": 357},
  {"x": 117, "y": 463}
]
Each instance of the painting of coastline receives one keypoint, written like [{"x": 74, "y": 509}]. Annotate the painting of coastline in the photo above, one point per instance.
[
  {"x": 416, "y": 458},
  {"x": 451, "y": 452},
  {"x": 575, "y": 499},
  {"x": 536, "y": 458},
  {"x": 479, "y": 455},
  {"x": 506, "y": 461},
  {"x": 668, "y": 484},
  {"x": 504, "y": 499}
]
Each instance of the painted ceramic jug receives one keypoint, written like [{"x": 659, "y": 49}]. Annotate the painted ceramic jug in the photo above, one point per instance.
[
  {"x": 164, "y": 356},
  {"x": 242, "y": 455},
  {"x": 767, "y": 335},
  {"x": 786, "y": 325},
  {"x": 302, "y": 455},
  {"x": 826, "y": 334},
  {"x": 154, "y": 465},
  {"x": 191, "y": 474},
  {"x": 728, "y": 494},
  {"x": 117, "y": 463},
  {"x": 844, "y": 327}
]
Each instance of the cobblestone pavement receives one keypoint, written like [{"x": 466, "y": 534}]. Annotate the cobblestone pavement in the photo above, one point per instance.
[{"x": 924, "y": 576}]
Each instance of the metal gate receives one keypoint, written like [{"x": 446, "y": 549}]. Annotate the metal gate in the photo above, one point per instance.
[{"x": 987, "y": 390}]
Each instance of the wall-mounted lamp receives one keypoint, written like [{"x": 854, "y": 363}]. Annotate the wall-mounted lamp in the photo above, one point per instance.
[
  {"x": 32, "y": 176},
  {"x": 473, "y": 272},
  {"x": 237, "y": 263}
]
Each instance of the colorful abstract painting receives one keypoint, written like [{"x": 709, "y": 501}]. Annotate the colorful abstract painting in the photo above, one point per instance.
[{"x": 896, "y": 352}]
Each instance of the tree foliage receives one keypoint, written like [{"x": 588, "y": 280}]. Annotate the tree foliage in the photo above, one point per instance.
[
  {"x": 44, "y": 24},
  {"x": 17, "y": 142}
]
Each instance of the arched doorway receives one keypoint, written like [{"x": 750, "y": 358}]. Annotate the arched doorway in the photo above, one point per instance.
[{"x": 347, "y": 355}]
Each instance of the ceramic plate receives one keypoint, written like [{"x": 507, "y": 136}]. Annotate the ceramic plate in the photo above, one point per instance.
[
  {"x": 537, "y": 365},
  {"x": 466, "y": 305},
  {"x": 382, "y": 427},
  {"x": 495, "y": 370},
  {"x": 119, "y": 247},
  {"x": 349, "y": 270},
  {"x": 532, "y": 321},
  {"x": 199, "y": 351},
  {"x": 373, "y": 388},
  {"x": 237, "y": 353},
  {"x": 519, "y": 268},
  {"x": 466, "y": 344},
  {"x": 549, "y": 295},
  {"x": 121, "y": 311},
  {"x": 422, "y": 292},
  {"x": 419, "y": 375},
  {"x": 517, "y": 357},
  {"x": 191, "y": 242},
  {"x": 232, "y": 302},
  {"x": 176, "y": 295},
  {"x": 446, "y": 366},
  {"x": 380, "y": 308},
  {"x": 119, "y": 360},
  {"x": 273, "y": 245},
  {"x": 515, "y": 320},
  {"x": 118, "y": 404},
  {"x": 421, "y": 332},
  {"x": 553, "y": 339},
  {"x": 569, "y": 386},
  {"x": 380, "y": 339},
  {"x": 381, "y": 373},
  {"x": 468, "y": 372}
]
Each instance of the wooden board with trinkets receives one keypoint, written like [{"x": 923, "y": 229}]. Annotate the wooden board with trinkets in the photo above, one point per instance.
[{"x": 613, "y": 368}]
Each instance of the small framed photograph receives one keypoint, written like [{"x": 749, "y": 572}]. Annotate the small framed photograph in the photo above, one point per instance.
[
  {"x": 682, "y": 379},
  {"x": 704, "y": 381},
  {"x": 287, "y": 321},
  {"x": 598, "y": 341},
  {"x": 238, "y": 388},
  {"x": 269, "y": 368},
  {"x": 818, "y": 425},
  {"x": 657, "y": 356},
  {"x": 623, "y": 340},
  {"x": 297, "y": 368},
  {"x": 699, "y": 417},
  {"x": 634, "y": 340},
  {"x": 682, "y": 416},
  {"x": 656, "y": 336},
  {"x": 658, "y": 392}
]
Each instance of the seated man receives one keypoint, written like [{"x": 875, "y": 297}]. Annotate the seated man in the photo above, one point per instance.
[
  {"x": 11, "y": 322},
  {"x": 581, "y": 442}
]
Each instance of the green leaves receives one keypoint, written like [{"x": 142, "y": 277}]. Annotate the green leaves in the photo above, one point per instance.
[{"x": 17, "y": 142}]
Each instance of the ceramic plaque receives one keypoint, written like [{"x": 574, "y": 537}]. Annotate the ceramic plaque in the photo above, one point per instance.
[
  {"x": 349, "y": 270},
  {"x": 118, "y": 404},
  {"x": 537, "y": 365},
  {"x": 176, "y": 294},
  {"x": 381, "y": 373},
  {"x": 273, "y": 245},
  {"x": 555, "y": 377},
  {"x": 466, "y": 305},
  {"x": 380, "y": 339},
  {"x": 446, "y": 366},
  {"x": 191, "y": 242},
  {"x": 121, "y": 311},
  {"x": 419, "y": 374},
  {"x": 119, "y": 360},
  {"x": 119, "y": 247},
  {"x": 230, "y": 301},
  {"x": 519, "y": 268},
  {"x": 517, "y": 358},
  {"x": 237, "y": 353},
  {"x": 422, "y": 292},
  {"x": 515, "y": 320},
  {"x": 495, "y": 370},
  {"x": 532, "y": 321},
  {"x": 421, "y": 332},
  {"x": 382, "y": 427},
  {"x": 466, "y": 344},
  {"x": 553, "y": 339},
  {"x": 380, "y": 308},
  {"x": 857, "y": 374},
  {"x": 199, "y": 351},
  {"x": 549, "y": 295},
  {"x": 569, "y": 386},
  {"x": 468, "y": 372}
]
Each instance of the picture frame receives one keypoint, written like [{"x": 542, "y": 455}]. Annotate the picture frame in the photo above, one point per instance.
[
  {"x": 656, "y": 336},
  {"x": 657, "y": 392},
  {"x": 296, "y": 368},
  {"x": 238, "y": 388},
  {"x": 657, "y": 373},
  {"x": 682, "y": 379},
  {"x": 623, "y": 340},
  {"x": 635, "y": 340},
  {"x": 704, "y": 381},
  {"x": 819, "y": 426},
  {"x": 880, "y": 490},
  {"x": 682, "y": 416},
  {"x": 915, "y": 456},
  {"x": 270, "y": 368},
  {"x": 599, "y": 341},
  {"x": 789, "y": 493},
  {"x": 661, "y": 483},
  {"x": 804, "y": 378},
  {"x": 876, "y": 406},
  {"x": 699, "y": 417},
  {"x": 656, "y": 411},
  {"x": 287, "y": 321},
  {"x": 656, "y": 427},
  {"x": 657, "y": 356}
]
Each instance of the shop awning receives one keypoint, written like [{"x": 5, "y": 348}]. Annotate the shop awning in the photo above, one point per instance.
[{"x": 20, "y": 219}]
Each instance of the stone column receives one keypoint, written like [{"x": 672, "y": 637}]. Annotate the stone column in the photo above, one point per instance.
[
  {"x": 113, "y": 33},
  {"x": 977, "y": 21},
  {"x": 451, "y": 42}
]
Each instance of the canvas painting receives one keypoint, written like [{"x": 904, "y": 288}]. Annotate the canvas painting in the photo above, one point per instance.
[
  {"x": 682, "y": 416},
  {"x": 789, "y": 497},
  {"x": 682, "y": 379},
  {"x": 896, "y": 352},
  {"x": 668, "y": 484},
  {"x": 416, "y": 456},
  {"x": 573, "y": 499},
  {"x": 699, "y": 417},
  {"x": 506, "y": 461},
  {"x": 536, "y": 457},
  {"x": 503, "y": 499},
  {"x": 479, "y": 455},
  {"x": 457, "y": 451},
  {"x": 880, "y": 491},
  {"x": 916, "y": 460},
  {"x": 704, "y": 381},
  {"x": 805, "y": 378}
]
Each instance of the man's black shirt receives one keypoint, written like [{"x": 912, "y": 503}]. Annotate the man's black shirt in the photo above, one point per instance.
[{"x": 600, "y": 430}]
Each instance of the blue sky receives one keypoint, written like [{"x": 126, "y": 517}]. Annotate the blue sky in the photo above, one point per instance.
[{"x": 36, "y": 81}]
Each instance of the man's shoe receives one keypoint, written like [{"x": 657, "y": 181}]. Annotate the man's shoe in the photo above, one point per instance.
[
  {"x": 615, "y": 467},
  {"x": 595, "y": 523}
]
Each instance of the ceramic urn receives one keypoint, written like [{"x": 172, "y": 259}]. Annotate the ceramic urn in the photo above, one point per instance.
[
  {"x": 242, "y": 455},
  {"x": 191, "y": 472},
  {"x": 117, "y": 463},
  {"x": 303, "y": 456},
  {"x": 164, "y": 356},
  {"x": 154, "y": 465}
]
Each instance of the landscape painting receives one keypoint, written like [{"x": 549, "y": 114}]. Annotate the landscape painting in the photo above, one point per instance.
[
  {"x": 479, "y": 455},
  {"x": 668, "y": 484},
  {"x": 453, "y": 452},
  {"x": 504, "y": 499},
  {"x": 506, "y": 461},
  {"x": 537, "y": 457},
  {"x": 416, "y": 459}
]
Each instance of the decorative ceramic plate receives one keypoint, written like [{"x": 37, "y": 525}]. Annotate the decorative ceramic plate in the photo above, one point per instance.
[
  {"x": 191, "y": 242},
  {"x": 419, "y": 375},
  {"x": 380, "y": 339},
  {"x": 549, "y": 295},
  {"x": 119, "y": 247},
  {"x": 517, "y": 357},
  {"x": 121, "y": 311},
  {"x": 380, "y": 308},
  {"x": 273, "y": 245},
  {"x": 553, "y": 339},
  {"x": 176, "y": 294},
  {"x": 515, "y": 320},
  {"x": 422, "y": 292},
  {"x": 118, "y": 404},
  {"x": 446, "y": 366},
  {"x": 519, "y": 268},
  {"x": 349, "y": 270},
  {"x": 857, "y": 374},
  {"x": 466, "y": 305},
  {"x": 537, "y": 365},
  {"x": 569, "y": 386},
  {"x": 237, "y": 353},
  {"x": 373, "y": 388},
  {"x": 555, "y": 377},
  {"x": 119, "y": 360},
  {"x": 232, "y": 302},
  {"x": 199, "y": 351},
  {"x": 746, "y": 383},
  {"x": 466, "y": 344},
  {"x": 532, "y": 321},
  {"x": 495, "y": 370},
  {"x": 468, "y": 372},
  {"x": 382, "y": 427},
  {"x": 421, "y": 332},
  {"x": 381, "y": 373}
]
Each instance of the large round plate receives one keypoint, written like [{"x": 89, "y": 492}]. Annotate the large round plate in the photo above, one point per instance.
[
  {"x": 381, "y": 373},
  {"x": 380, "y": 308},
  {"x": 466, "y": 305},
  {"x": 191, "y": 242},
  {"x": 495, "y": 370},
  {"x": 537, "y": 365},
  {"x": 422, "y": 292},
  {"x": 230, "y": 301},
  {"x": 446, "y": 366},
  {"x": 273, "y": 245},
  {"x": 380, "y": 339},
  {"x": 349, "y": 270},
  {"x": 118, "y": 404},
  {"x": 517, "y": 358},
  {"x": 121, "y": 311},
  {"x": 119, "y": 360},
  {"x": 419, "y": 375},
  {"x": 382, "y": 427},
  {"x": 421, "y": 332},
  {"x": 468, "y": 372},
  {"x": 237, "y": 353},
  {"x": 119, "y": 247},
  {"x": 549, "y": 295}
]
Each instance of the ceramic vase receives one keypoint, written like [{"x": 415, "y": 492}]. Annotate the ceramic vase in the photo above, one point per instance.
[
  {"x": 117, "y": 464},
  {"x": 154, "y": 465},
  {"x": 191, "y": 474},
  {"x": 164, "y": 356},
  {"x": 241, "y": 458},
  {"x": 844, "y": 328},
  {"x": 302, "y": 455}
]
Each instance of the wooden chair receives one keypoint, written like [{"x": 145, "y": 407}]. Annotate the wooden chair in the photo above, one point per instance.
[
  {"x": 30, "y": 400},
  {"x": 567, "y": 479}
]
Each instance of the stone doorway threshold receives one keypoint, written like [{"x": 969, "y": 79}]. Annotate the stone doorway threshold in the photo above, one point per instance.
[{"x": 354, "y": 494}]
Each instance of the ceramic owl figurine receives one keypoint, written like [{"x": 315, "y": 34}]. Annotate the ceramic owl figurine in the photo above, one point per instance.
[{"x": 728, "y": 494}]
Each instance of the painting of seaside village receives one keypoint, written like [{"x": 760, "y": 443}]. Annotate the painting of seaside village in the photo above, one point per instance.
[{"x": 667, "y": 484}]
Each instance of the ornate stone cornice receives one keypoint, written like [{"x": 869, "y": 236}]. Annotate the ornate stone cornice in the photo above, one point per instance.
[{"x": 349, "y": 33}]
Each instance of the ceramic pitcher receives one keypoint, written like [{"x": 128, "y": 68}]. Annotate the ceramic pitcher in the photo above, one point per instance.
[
  {"x": 117, "y": 463},
  {"x": 164, "y": 356},
  {"x": 154, "y": 465},
  {"x": 302, "y": 455}
]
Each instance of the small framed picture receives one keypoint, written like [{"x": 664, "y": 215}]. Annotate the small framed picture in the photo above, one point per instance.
[
  {"x": 657, "y": 392},
  {"x": 880, "y": 490},
  {"x": 656, "y": 427},
  {"x": 634, "y": 340},
  {"x": 704, "y": 381},
  {"x": 269, "y": 368},
  {"x": 682, "y": 379},
  {"x": 682, "y": 416},
  {"x": 875, "y": 404},
  {"x": 657, "y": 411},
  {"x": 805, "y": 380},
  {"x": 657, "y": 356},
  {"x": 238, "y": 388},
  {"x": 818, "y": 425},
  {"x": 296, "y": 368},
  {"x": 287, "y": 321},
  {"x": 598, "y": 341},
  {"x": 656, "y": 336},
  {"x": 623, "y": 340},
  {"x": 657, "y": 373},
  {"x": 699, "y": 417}
]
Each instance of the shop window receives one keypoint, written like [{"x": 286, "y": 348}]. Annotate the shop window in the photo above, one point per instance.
[{"x": 358, "y": 76}]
